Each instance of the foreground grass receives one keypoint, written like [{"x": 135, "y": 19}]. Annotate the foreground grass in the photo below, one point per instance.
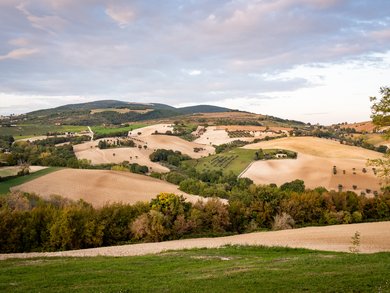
[
  {"x": 6, "y": 185},
  {"x": 229, "y": 269},
  {"x": 108, "y": 130}
]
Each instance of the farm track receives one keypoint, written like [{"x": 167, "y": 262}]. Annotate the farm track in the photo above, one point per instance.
[{"x": 375, "y": 237}]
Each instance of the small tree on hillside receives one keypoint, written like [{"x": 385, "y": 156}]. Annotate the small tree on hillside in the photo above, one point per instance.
[{"x": 381, "y": 118}]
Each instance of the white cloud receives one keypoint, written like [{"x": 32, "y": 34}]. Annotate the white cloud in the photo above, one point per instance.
[
  {"x": 19, "y": 53},
  {"x": 193, "y": 72},
  {"x": 123, "y": 16},
  {"x": 48, "y": 23}
]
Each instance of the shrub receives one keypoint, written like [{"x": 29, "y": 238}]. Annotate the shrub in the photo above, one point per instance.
[{"x": 283, "y": 222}]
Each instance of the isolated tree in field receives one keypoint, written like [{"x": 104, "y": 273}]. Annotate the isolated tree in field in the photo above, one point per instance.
[{"x": 381, "y": 118}]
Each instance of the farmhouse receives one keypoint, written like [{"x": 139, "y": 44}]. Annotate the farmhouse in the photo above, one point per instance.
[{"x": 280, "y": 156}]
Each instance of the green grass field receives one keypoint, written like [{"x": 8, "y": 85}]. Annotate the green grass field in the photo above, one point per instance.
[
  {"x": 229, "y": 269},
  {"x": 108, "y": 130},
  {"x": 30, "y": 130},
  {"x": 235, "y": 161},
  {"x": 6, "y": 185}
]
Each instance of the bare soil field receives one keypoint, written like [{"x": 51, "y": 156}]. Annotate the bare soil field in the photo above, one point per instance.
[
  {"x": 316, "y": 171},
  {"x": 317, "y": 147},
  {"x": 252, "y": 128},
  {"x": 314, "y": 165},
  {"x": 367, "y": 126},
  {"x": 146, "y": 135},
  {"x": 90, "y": 151},
  {"x": 149, "y": 130},
  {"x": 100, "y": 187},
  {"x": 375, "y": 237},
  {"x": 217, "y": 135}
]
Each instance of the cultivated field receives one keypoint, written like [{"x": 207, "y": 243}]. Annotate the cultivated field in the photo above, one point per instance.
[
  {"x": 146, "y": 136},
  {"x": 217, "y": 135},
  {"x": 90, "y": 151},
  {"x": 99, "y": 187},
  {"x": 367, "y": 126},
  {"x": 316, "y": 147},
  {"x": 316, "y": 160},
  {"x": 253, "y": 128}
]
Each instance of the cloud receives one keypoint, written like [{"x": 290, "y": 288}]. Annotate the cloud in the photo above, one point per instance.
[
  {"x": 123, "y": 16},
  {"x": 184, "y": 51},
  {"x": 20, "y": 42},
  {"x": 48, "y": 23},
  {"x": 19, "y": 54}
]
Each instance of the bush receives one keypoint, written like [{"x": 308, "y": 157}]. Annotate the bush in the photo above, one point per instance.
[{"x": 283, "y": 222}]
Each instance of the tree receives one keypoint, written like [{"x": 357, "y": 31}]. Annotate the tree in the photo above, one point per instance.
[{"x": 381, "y": 118}]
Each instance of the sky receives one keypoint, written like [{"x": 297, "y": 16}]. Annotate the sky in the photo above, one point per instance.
[{"x": 315, "y": 61}]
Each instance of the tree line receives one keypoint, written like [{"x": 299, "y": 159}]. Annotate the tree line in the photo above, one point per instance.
[{"x": 30, "y": 223}]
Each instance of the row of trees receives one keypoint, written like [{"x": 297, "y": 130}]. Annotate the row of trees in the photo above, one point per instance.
[
  {"x": 104, "y": 144},
  {"x": 170, "y": 157},
  {"x": 29, "y": 223}
]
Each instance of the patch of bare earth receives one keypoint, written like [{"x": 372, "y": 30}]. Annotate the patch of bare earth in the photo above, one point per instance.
[
  {"x": 316, "y": 160},
  {"x": 154, "y": 141},
  {"x": 100, "y": 187},
  {"x": 375, "y": 237},
  {"x": 91, "y": 152}
]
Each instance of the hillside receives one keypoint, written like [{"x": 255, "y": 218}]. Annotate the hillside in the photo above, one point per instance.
[{"x": 114, "y": 112}]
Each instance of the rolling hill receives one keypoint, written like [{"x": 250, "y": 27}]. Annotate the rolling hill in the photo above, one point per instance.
[{"x": 115, "y": 112}]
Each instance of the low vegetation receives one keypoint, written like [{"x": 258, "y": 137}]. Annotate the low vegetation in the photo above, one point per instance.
[
  {"x": 114, "y": 131},
  {"x": 20, "y": 131},
  {"x": 238, "y": 268},
  {"x": 29, "y": 223},
  {"x": 116, "y": 143}
]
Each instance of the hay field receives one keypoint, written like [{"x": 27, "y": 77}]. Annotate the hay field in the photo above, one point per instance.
[
  {"x": 316, "y": 158},
  {"x": 99, "y": 187},
  {"x": 90, "y": 151}
]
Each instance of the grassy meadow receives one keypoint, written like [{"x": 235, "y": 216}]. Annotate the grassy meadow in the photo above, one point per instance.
[
  {"x": 103, "y": 130},
  {"x": 23, "y": 131},
  {"x": 228, "y": 269}
]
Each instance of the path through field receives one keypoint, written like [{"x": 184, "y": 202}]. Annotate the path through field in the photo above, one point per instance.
[{"x": 375, "y": 237}]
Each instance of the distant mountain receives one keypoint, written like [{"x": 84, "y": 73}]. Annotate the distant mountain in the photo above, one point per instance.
[{"x": 115, "y": 112}]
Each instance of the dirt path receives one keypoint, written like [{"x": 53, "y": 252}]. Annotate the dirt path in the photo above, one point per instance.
[{"x": 375, "y": 237}]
